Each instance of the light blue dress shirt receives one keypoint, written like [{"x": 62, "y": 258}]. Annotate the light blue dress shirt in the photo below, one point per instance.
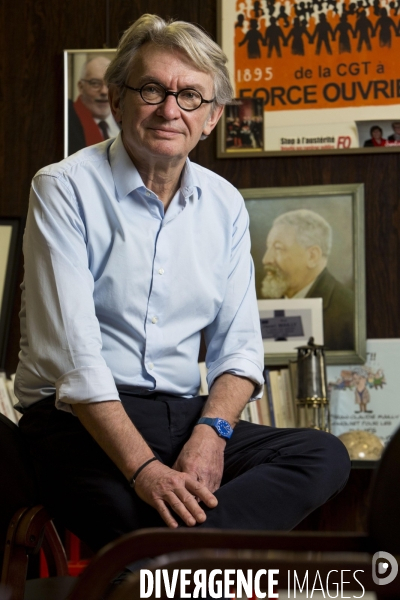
[{"x": 117, "y": 291}]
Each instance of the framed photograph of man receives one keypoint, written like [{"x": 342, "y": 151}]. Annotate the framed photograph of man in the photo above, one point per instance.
[
  {"x": 308, "y": 242},
  {"x": 87, "y": 115},
  {"x": 244, "y": 125}
]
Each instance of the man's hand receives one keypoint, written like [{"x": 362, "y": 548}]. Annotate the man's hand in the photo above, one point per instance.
[
  {"x": 198, "y": 470},
  {"x": 165, "y": 488},
  {"x": 202, "y": 457}
]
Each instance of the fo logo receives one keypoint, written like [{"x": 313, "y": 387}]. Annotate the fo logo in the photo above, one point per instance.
[{"x": 384, "y": 564}]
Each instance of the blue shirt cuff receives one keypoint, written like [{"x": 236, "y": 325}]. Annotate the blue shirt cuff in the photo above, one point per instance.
[
  {"x": 246, "y": 368},
  {"x": 85, "y": 385}
]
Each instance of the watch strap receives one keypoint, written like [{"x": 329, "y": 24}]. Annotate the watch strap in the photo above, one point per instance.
[
  {"x": 206, "y": 421},
  {"x": 221, "y": 427}
]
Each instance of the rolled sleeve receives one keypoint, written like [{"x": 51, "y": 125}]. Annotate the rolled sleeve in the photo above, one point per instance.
[
  {"x": 88, "y": 384},
  {"x": 240, "y": 367}
]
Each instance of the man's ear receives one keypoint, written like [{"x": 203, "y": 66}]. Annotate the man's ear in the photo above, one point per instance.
[
  {"x": 212, "y": 120},
  {"x": 314, "y": 255},
  {"x": 114, "y": 98}
]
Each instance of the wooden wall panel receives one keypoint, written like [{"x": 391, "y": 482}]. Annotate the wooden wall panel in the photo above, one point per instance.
[{"x": 34, "y": 35}]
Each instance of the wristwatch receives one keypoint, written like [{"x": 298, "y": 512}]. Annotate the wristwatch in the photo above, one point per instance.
[{"x": 220, "y": 426}]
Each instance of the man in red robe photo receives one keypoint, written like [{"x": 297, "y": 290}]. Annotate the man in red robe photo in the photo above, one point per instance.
[{"x": 89, "y": 118}]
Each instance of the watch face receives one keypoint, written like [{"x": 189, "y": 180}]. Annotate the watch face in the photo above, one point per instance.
[{"x": 224, "y": 428}]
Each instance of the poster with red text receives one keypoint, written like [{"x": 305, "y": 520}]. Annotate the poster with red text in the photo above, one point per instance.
[{"x": 326, "y": 70}]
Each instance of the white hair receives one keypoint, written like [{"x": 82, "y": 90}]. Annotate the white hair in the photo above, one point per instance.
[
  {"x": 205, "y": 54},
  {"x": 90, "y": 59},
  {"x": 311, "y": 229}
]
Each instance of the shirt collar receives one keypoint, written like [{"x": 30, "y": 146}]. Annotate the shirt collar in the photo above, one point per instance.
[
  {"x": 127, "y": 179},
  {"x": 190, "y": 185}
]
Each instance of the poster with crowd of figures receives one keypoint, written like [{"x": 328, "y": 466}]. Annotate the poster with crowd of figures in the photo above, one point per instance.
[
  {"x": 366, "y": 397},
  {"x": 311, "y": 76}
]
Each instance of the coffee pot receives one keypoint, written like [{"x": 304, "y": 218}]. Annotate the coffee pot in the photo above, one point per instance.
[{"x": 312, "y": 399}]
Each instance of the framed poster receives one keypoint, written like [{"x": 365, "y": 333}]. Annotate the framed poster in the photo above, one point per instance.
[
  {"x": 87, "y": 115},
  {"x": 326, "y": 72},
  {"x": 10, "y": 248},
  {"x": 308, "y": 242}
]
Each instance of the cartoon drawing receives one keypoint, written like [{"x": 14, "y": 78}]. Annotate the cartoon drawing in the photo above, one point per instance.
[
  {"x": 362, "y": 395},
  {"x": 360, "y": 380}
]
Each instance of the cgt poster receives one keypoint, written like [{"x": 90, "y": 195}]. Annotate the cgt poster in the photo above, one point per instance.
[
  {"x": 366, "y": 397},
  {"x": 326, "y": 71}
]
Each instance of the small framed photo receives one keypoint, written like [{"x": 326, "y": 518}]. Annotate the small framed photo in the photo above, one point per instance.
[
  {"x": 10, "y": 248},
  {"x": 287, "y": 324},
  {"x": 244, "y": 125},
  {"x": 87, "y": 115},
  {"x": 308, "y": 242}
]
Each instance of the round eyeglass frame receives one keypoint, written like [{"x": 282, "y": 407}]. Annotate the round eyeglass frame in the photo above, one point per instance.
[{"x": 169, "y": 93}]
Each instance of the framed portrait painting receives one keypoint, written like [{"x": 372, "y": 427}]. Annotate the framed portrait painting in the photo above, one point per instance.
[
  {"x": 308, "y": 242},
  {"x": 87, "y": 116}
]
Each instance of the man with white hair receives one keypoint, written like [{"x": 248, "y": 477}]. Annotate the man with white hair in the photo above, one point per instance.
[
  {"x": 295, "y": 264},
  {"x": 131, "y": 252},
  {"x": 90, "y": 120}
]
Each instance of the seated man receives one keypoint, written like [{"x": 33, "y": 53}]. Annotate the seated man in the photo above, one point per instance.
[{"x": 131, "y": 251}]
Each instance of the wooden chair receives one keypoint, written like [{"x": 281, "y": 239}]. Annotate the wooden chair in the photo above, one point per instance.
[
  {"x": 314, "y": 547},
  {"x": 25, "y": 526}
]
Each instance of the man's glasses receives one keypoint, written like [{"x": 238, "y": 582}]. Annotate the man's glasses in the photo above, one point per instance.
[
  {"x": 154, "y": 93},
  {"x": 95, "y": 84}
]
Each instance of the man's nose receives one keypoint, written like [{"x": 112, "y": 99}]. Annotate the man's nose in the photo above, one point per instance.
[
  {"x": 104, "y": 88},
  {"x": 169, "y": 108},
  {"x": 268, "y": 257}
]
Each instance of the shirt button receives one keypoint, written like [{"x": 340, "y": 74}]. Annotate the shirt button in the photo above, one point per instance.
[
  {"x": 147, "y": 193},
  {"x": 154, "y": 320},
  {"x": 161, "y": 271},
  {"x": 151, "y": 366}
]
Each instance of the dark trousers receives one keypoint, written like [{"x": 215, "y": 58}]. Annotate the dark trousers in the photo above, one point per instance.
[{"x": 272, "y": 478}]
